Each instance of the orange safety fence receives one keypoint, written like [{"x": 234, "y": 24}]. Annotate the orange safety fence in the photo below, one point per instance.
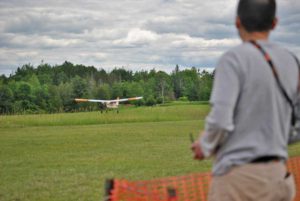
[
  {"x": 192, "y": 187},
  {"x": 293, "y": 166}
]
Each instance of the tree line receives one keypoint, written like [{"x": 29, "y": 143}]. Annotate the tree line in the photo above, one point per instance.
[{"x": 51, "y": 89}]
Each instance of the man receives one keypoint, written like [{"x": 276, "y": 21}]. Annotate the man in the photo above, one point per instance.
[{"x": 247, "y": 128}]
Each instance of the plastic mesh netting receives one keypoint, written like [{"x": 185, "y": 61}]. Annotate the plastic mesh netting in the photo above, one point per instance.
[
  {"x": 294, "y": 167},
  {"x": 193, "y": 187}
]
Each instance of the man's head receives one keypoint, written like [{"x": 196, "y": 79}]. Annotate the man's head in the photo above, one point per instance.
[{"x": 256, "y": 15}]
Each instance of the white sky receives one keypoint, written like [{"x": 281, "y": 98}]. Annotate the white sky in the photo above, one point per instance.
[{"x": 134, "y": 34}]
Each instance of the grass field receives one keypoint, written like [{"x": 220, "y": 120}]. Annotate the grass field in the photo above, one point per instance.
[{"x": 68, "y": 156}]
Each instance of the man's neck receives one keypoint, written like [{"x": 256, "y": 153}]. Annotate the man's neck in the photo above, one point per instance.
[{"x": 246, "y": 36}]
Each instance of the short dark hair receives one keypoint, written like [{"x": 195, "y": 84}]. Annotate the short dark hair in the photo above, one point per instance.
[{"x": 257, "y": 15}]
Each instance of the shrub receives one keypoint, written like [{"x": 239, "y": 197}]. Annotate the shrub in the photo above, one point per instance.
[{"x": 183, "y": 98}]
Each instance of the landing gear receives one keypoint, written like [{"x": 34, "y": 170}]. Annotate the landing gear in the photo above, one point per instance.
[{"x": 102, "y": 107}]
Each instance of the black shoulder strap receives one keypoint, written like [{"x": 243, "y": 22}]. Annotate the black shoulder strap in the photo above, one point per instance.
[
  {"x": 283, "y": 91},
  {"x": 297, "y": 60}
]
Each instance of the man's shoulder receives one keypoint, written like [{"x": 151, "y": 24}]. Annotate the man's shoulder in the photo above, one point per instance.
[
  {"x": 233, "y": 58},
  {"x": 237, "y": 51}
]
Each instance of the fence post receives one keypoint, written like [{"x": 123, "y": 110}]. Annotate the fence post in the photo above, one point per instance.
[
  {"x": 172, "y": 194},
  {"x": 109, "y": 186}
]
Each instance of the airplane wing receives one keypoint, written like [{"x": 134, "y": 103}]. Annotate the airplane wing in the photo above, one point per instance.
[
  {"x": 128, "y": 99},
  {"x": 81, "y": 100}
]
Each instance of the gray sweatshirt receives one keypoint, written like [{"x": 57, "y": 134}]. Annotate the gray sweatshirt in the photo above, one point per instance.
[{"x": 249, "y": 117}]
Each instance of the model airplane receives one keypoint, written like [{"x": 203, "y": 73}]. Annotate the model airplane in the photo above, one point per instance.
[{"x": 108, "y": 104}]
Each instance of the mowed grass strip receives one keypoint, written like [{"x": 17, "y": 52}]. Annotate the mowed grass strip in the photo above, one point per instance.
[{"x": 126, "y": 115}]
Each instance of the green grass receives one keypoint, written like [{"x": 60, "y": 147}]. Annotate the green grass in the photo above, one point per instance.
[
  {"x": 68, "y": 156},
  {"x": 126, "y": 115}
]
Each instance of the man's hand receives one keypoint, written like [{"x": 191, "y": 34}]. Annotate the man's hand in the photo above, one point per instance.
[{"x": 196, "y": 148}]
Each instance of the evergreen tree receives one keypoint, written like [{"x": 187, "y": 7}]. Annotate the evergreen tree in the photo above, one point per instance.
[{"x": 6, "y": 99}]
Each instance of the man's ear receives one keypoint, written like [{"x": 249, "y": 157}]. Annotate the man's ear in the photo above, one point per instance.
[
  {"x": 274, "y": 23},
  {"x": 238, "y": 22}
]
